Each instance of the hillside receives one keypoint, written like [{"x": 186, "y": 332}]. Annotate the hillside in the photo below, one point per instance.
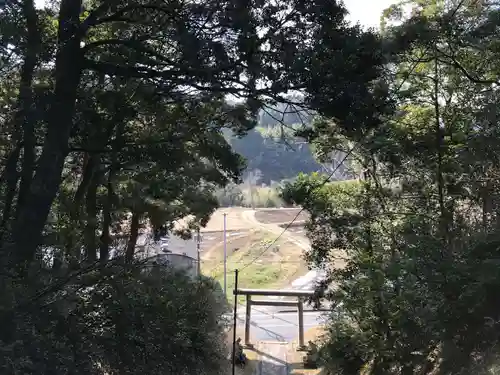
[
  {"x": 271, "y": 150},
  {"x": 275, "y": 159}
]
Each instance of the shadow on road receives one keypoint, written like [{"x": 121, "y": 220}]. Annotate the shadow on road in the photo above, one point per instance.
[
  {"x": 297, "y": 368},
  {"x": 268, "y": 356},
  {"x": 265, "y": 363},
  {"x": 271, "y": 359},
  {"x": 272, "y": 334}
]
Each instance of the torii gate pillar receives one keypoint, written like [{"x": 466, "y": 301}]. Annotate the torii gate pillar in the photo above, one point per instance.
[{"x": 299, "y": 303}]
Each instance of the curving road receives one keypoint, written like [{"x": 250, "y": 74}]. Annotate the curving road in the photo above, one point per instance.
[
  {"x": 268, "y": 323},
  {"x": 273, "y": 323}
]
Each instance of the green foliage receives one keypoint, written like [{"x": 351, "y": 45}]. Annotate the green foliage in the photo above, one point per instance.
[
  {"x": 113, "y": 117},
  {"x": 273, "y": 149},
  {"x": 123, "y": 324},
  {"x": 343, "y": 352},
  {"x": 411, "y": 249},
  {"x": 246, "y": 195},
  {"x": 270, "y": 269}
]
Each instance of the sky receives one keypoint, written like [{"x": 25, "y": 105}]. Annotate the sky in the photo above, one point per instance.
[{"x": 366, "y": 12}]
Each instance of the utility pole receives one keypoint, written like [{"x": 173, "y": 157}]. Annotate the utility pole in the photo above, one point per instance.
[
  {"x": 225, "y": 256},
  {"x": 235, "y": 316},
  {"x": 198, "y": 241}
]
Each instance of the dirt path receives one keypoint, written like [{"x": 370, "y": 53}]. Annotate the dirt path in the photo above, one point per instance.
[
  {"x": 282, "y": 215},
  {"x": 299, "y": 240},
  {"x": 234, "y": 220}
]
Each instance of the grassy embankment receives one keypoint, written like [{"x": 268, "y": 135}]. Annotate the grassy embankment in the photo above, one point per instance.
[{"x": 262, "y": 263}]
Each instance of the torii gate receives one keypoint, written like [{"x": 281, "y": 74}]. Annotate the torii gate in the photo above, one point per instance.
[{"x": 300, "y": 294}]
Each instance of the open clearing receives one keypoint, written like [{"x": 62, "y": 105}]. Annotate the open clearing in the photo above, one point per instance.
[
  {"x": 249, "y": 234},
  {"x": 210, "y": 241},
  {"x": 260, "y": 268},
  {"x": 282, "y": 215},
  {"x": 237, "y": 225},
  {"x": 234, "y": 220}
]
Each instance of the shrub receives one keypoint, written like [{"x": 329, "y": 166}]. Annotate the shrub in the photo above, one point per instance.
[{"x": 125, "y": 322}]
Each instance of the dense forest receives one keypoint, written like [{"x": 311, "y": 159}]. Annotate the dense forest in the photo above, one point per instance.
[
  {"x": 115, "y": 118},
  {"x": 412, "y": 247}
]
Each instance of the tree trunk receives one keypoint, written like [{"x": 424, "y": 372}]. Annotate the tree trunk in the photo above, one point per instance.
[
  {"x": 89, "y": 169},
  {"x": 383, "y": 328},
  {"x": 11, "y": 176},
  {"x": 9, "y": 163},
  {"x": 105, "y": 240},
  {"x": 25, "y": 118},
  {"x": 443, "y": 221},
  {"x": 45, "y": 184},
  {"x": 91, "y": 214},
  {"x": 106, "y": 212},
  {"x": 487, "y": 205},
  {"x": 134, "y": 234}
]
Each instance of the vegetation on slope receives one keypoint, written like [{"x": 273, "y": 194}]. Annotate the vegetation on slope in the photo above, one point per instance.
[
  {"x": 420, "y": 230},
  {"x": 263, "y": 264},
  {"x": 272, "y": 152}
]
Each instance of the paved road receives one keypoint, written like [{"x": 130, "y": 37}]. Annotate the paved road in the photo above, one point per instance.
[
  {"x": 278, "y": 326},
  {"x": 267, "y": 322},
  {"x": 272, "y": 359},
  {"x": 306, "y": 282},
  {"x": 278, "y": 323},
  {"x": 270, "y": 322}
]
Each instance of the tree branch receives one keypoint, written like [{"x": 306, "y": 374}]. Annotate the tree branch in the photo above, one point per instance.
[
  {"x": 94, "y": 20},
  {"x": 452, "y": 59}
]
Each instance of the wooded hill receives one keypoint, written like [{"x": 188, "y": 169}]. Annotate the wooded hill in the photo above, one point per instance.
[{"x": 272, "y": 151}]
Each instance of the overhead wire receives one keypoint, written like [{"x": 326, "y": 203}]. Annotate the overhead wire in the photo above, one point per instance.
[
  {"x": 268, "y": 313},
  {"x": 319, "y": 186},
  {"x": 400, "y": 86},
  {"x": 323, "y": 183}
]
